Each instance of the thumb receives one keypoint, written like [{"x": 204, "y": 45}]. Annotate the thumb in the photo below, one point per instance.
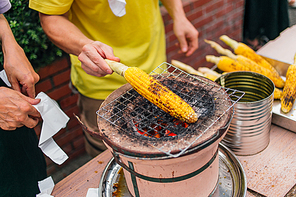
[{"x": 32, "y": 101}]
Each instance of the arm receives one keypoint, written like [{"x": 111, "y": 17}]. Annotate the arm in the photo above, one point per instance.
[
  {"x": 69, "y": 38},
  {"x": 19, "y": 71},
  {"x": 186, "y": 33}
]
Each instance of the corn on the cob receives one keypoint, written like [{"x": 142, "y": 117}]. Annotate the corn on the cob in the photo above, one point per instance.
[
  {"x": 253, "y": 66},
  {"x": 289, "y": 91},
  {"x": 228, "y": 65},
  {"x": 277, "y": 93},
  {"x": 155, "y": 92},
  {"x": 209, "y": 73},
  {"x": 192, "y": 71},
  {"x": 243, "y": 49},
  {"x": 186, "y": 67}
]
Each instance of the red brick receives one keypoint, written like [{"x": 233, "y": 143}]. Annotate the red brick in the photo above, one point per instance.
[
  {"x": 51, "y": 169},
  {"x": 194, "y": 15},
  {"x": 69, "y": 101},
  {"x": 69, "y": 112},
  {"x": 169, "y": 28},
  {"x": 187, "y": 8},
  {"x": 172, "y": 48},
  {"x": 200, "y": 3},
  {"x": 69, "y": 136},
  {"x": 79, "y": 151},
  {"x": 43, "y": 86},
  {"x": 68, "y": 149},
  {"x": 60, "y": 133},
  {"x": 73, "y": 123},
  {"x": 79, "y": 142},
  {"x": 201, "y": 23},
  {"x": 60, "y": 92},
  {"x": 55, "y": 67},
  {"x": 213, "y": 7},
  {"x": 61, "y": 78}
]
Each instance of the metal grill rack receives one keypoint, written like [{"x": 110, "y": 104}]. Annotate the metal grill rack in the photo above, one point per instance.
[{"x": 168, "y": 131}]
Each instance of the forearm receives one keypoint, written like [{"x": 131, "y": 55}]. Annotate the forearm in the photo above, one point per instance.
[
  {"x": 63, "y": 33},
  {"x": 184, "y": 30},
  {"x": 174, "y": 8},
  {"x": 6, "y": 35}
]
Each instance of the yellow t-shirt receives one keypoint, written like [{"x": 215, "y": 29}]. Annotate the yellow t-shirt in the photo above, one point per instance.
[{"x": 137, "y": 38}]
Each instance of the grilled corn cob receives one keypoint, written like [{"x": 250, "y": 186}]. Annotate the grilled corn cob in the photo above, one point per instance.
[
  {"x": 242, "y": 49},
  {"x": 227, "y": 64},
  {"x": 186, "y": 67},
  {"x": 155, "y": 92},
  {"x": 253, "y": 66},
  {"x": 289, "y": 91},
  {"x": 209, "y": 73},
  {"x": 277, "y": 93}
]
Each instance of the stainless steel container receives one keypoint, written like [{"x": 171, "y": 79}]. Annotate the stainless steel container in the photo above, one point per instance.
[{"x": 249, "y": 131}]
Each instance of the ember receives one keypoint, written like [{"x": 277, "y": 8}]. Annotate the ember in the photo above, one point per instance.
[{"x": 158, "y": 130}]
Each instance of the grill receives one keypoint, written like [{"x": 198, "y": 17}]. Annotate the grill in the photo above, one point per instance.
[
  {"x": 160, "y": 155},
  {"x": 132, "y": 125}
]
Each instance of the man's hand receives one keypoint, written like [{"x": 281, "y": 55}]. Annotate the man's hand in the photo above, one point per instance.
[
  {"x": 19, "y": 71},
  {"x": 16, "y": 110},
  {"x": 92, "y": 59},
  {"x": 187, "y": 36}
]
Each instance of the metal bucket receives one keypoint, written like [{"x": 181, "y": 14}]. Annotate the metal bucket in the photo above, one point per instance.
[{"x": 249, "y": 131}]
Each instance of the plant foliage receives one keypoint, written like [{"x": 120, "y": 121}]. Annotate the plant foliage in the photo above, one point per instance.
[{"x": 25, "y": 25}]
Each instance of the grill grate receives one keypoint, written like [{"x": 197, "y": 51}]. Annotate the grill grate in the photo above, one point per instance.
[{"x": 137, "y": 118}]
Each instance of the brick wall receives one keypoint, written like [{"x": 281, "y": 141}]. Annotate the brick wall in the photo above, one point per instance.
[{"x": 211, "y": 18}]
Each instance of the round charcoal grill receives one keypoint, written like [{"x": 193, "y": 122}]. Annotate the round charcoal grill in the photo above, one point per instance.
[
  {"x": 132, "y": 125},
  {"x": 160, "y": 155}
]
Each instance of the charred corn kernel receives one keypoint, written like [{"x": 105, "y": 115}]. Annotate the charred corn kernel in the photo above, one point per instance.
[
  {"x": 186, "y": 68},
  {"x": 277, "y": 93},
  {"x": 253, "y": 66},
  {"x": 289, "y": 91},
  {"x": 155, "y": 92},
  {"x": 209, "y": 73}
]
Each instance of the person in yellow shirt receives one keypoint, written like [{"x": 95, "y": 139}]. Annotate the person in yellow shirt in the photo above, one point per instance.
[{"x": 91, "y": 31}]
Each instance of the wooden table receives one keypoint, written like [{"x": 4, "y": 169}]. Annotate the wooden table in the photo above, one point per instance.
[{"x": 269, "y": 173}]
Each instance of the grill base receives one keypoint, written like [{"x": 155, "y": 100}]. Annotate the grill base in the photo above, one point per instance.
[{"x": 113, "y": 183}]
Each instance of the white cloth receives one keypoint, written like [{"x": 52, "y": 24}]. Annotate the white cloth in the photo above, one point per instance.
[
  {"x": 3, "y": 76},
  {"x": 54, "y": 119},
  {"x": 92, "y": 192},
  {"x": 45, "y": 186},
  {"x": 117, "y": 7}
]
